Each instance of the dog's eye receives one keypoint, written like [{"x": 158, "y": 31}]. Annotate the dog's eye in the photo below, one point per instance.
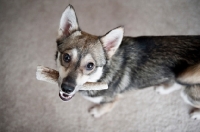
[
  {"x": 66, "y": 57},
  {"x": 90, "y": 66}
]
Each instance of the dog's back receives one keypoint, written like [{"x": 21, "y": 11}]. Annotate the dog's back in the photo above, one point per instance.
[{"x": 148, "y": 61}]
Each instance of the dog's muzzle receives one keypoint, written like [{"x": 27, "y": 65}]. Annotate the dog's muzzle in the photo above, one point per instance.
[{"x": 65, "y": 92}]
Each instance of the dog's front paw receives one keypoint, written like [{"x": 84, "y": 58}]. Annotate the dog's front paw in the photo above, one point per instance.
[
  {"x": 195, "y": 115},
  {"x": 96, "y": 111},
  {"x": 101, "y": 109}
]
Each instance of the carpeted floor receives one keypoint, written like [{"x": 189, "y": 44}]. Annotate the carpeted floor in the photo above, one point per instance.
[{"x": 28, "y": 30}]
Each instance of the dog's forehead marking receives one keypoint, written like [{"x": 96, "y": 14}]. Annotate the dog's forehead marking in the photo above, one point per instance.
[
  {"x": 80, "y": 40},
  {"x": 74, "y": 54},
  {"x": 87, "y": 58}
]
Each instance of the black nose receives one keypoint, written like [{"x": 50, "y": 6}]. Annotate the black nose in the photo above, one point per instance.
[{"x": 66, "y": 88}]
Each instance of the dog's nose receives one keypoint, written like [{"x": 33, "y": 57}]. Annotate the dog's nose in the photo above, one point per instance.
[{"x": 66, "y": 88}]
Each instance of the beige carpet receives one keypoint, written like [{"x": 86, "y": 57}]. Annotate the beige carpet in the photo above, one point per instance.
[{"x": 28, "y": 31}]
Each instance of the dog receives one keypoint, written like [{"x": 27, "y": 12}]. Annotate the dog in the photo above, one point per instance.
[{"x": 167, "y": 63}]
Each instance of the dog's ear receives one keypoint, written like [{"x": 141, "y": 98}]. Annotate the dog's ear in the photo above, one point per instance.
[
  {"x": 68, "y": 22},
  {"x": 112, "y": 40}
]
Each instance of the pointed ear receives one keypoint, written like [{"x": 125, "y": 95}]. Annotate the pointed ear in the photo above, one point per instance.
[
  {"x": 68, "y": 22},
  {"x": 112, "y": 40}
]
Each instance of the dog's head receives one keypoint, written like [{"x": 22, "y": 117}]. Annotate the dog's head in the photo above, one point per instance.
[{"x": 81, "y": 57}]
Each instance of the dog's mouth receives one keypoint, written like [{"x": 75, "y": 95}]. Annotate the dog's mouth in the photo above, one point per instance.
[{"x": 64, "y": 96}]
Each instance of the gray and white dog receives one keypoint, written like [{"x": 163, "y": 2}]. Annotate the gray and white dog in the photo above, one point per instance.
[{"x": 125, "y": 63}]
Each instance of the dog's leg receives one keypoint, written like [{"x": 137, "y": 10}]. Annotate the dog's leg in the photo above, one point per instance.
[
  {"x": 191, "y": 95},
  {"x": 168, "y": 87},
  {"x": 191, "y": 75},
  {"x": 103, "y": 108}
]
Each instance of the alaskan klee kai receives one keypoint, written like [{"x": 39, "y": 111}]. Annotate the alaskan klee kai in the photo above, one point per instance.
[{"x": 124, "y": 63}]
